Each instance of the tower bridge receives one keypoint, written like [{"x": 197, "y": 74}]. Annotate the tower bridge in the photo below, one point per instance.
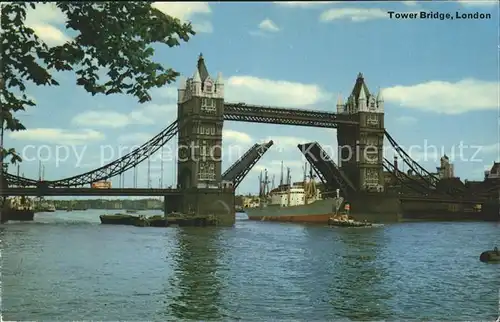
[{"x": 202, "y": 187}]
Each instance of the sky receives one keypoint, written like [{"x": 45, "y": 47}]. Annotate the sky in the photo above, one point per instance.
[{"x": 439, "y": 78}]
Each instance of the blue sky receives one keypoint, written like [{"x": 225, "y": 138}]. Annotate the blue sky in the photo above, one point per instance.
[{"x": 439, "y": 78}]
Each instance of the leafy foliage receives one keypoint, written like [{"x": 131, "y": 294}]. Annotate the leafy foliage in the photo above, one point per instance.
[{"x": 116, "y": 35}]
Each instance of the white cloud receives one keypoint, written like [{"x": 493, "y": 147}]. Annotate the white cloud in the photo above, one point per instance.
[
  {"x": 253, "y": 90},
  {"x": 353, "y": 14},
  {"x": 150, "y": 114},
  {"x": 446, "y": 97},
  {"x": 168, "y": 92},
  {"x": 58, "y": 136},
  {"x": 478, "y": 3},
  {"x": 236, "y": 136},
  {"x": 282, "y": 142},
  {"x": 203, "y": 27},
  {"x": 406, "y": 120},
  {"x": 268, "y": 25},
  {"x": 492, "y": 148},
  {"x": 108, "y": 119},
  {"x": 410, "y": 3},
  {"x": 50, "y": 34},
  {"x": 42, "y": 21},
  {"x": 188, "y": 11},
  {"x": 305, "y": 4}
]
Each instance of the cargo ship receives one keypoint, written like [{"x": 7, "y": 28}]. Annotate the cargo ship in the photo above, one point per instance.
[
  {"x": 300, "y": 202},
  {"x": 18, "y": 209}
]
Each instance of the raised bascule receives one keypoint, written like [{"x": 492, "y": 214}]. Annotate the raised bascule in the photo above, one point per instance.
[{"x": 203, "y": 188}]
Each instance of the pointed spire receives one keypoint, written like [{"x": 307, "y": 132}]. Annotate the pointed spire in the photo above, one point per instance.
[
  {"x": 196, "y": 76},
  {"x": 360, "y": 75},
  {"x": 380, "y": 97},
  {"x": 339, "y": 100},
  {"x": 202, "y": 69},
  {"x": 219, "y": 80},
  {"x": 362, "y": 94},
  {"x": 340, "y": 104}
]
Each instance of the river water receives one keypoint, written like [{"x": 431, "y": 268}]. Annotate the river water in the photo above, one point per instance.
[{"x": 66, "y": 266}]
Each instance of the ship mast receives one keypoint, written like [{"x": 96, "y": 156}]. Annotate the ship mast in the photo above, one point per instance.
[
  {"x": 266, "y": 183},
  {"x": 281, "y": 177},
  {"x": 260, "y": 185},
  {"x": 289, "y": 184}
]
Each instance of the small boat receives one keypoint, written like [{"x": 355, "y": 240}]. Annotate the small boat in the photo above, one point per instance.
[
  {"x": 348, "y": 223},
  {"x": 490, "y": 256},
  {"x": 131, "y": 211},
  {"x": 118, "y": 219},
  {"x": 344, "y": 220}
]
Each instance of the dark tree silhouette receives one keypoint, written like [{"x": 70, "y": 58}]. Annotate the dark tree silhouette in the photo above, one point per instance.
[{"x": 114, "y": 35}]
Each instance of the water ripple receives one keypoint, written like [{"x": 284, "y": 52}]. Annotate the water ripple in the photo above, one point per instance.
[{"x": 55, "y": 269}]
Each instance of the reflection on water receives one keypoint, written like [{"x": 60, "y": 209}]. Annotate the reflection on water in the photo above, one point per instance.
[
  {"x": 195, "y": 290},
  {"x": 359, "y": 274},
  {"x": 66, "y": 266}
]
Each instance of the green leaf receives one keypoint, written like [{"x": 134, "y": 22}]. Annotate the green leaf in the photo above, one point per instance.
[{"x": 115, "y": 35}]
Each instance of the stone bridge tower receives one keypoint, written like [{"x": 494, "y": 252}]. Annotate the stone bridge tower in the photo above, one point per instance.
[
  {"x": 361, "y": 146},
  {"x": 200, "y": 116}
]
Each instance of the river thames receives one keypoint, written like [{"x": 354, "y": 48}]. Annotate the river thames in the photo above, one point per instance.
[{"x": 66, "y": 266}]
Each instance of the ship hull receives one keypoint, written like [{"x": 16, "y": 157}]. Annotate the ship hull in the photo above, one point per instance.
[
  {"x": 118, "y": 219},
  {"x": 422, "y": 211},
  {"x": 318, "y": 212},
  {"x": 450, "y": 216}
]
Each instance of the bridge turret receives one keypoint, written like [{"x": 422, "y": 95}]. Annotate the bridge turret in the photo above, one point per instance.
[
  {"x": 196, "y": 83},
  {"x": 380, "y": 101},
  {"x": 181, "y": 91},
  {"x": 361, "y": 146},
  {"x": 201, "y": 115},
  {"x": 362, "y": 104},
  {"x": 340, "y": 105},
  {"x": 219, "y": 85}
]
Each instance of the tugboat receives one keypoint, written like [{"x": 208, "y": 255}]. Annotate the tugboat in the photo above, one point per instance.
[
  {"x": 490, "y": 256},
  {"x": 343, "y": 219}
]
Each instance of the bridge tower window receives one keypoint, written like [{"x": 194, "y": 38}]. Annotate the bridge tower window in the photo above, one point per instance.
[
  {"x": 208, "y": 86},
  {"x": 208, "y": 104}
]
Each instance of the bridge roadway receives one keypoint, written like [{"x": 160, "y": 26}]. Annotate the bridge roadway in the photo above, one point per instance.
[
  {"x": 155, "y": 192},
  {"x": 34, "y": 192}
]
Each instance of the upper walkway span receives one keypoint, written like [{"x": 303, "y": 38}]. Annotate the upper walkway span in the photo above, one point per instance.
[{"x": 285, "y": 116}]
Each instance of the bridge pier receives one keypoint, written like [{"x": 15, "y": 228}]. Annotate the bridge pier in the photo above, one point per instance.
[
  {"x": 376, "y": 207},
  {"x": 204, "y": 202}
]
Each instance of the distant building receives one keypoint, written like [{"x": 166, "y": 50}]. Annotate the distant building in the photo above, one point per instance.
[
  {"x": 446, "y": 170},
  {"x": 493, "y": 173}
]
